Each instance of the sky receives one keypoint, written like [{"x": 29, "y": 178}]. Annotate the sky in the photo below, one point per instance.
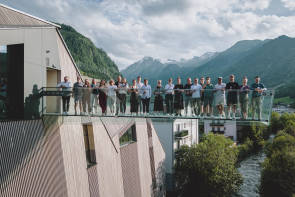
[{"x": 129, "y": 30}]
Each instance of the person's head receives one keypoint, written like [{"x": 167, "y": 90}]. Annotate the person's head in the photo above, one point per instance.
[
  {"x": 124, "y": 80},
  {"x": 257, "y": 79},
  {"x": 145, "y": 81},
  {"x": 93, "y": 81},
  {"x": 178, "y": 80},
  {"x": 102, "y": 82},
  {"x": 231, "y": 78},
  {"x": 66, "y": 78},
  {"x": 159, "y": 82},
  {"x": 79, "y": 79},
  {"x": 138, "y": 78},
  {"x": 111, "y": 82},
  {"x": 119, "y": 78},
  {"x": 196, "y": 80},
  {"x": 87, "y": 82},
  {"x": 170, "y": 80},
  {"x": 133, "y": 82},
  {"x": 208, "y": 80},
  {"x": 189, "y": 80},
  {"x": 245, "y": 80},
  {"x": 202, "y": 80},
  {"x": 219, "y": 80}
]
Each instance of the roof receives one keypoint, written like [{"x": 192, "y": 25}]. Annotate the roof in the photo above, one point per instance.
[{"x": 10, "y": 17}]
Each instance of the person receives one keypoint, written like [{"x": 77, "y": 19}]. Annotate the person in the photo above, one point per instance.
[
  {"x": 94, "y": 97},
  {"x": 196, "y": 97},
  {"x": 146, "y": 92},
  {"x": 220, "y": 96},
  {"x": 111, "y": 100},
  {"x": 232, "y": 88},
  {"x": 188, "y": 95},
  {"x": 86, "y": 97},
  {"x": 66, "y": 94},
  {"x": 102, "y": 98},
  {"x": 208, "y": 96},
  {"x": 123, "y": 87},
  {"x": 244, "y": 98},
  {"x": 169, "y": 96},
  {"x": 258, "y": 88},
  {"x": 158, "y": 102},
  {"x": 202, "y": 83},
  {"x": 178, "y": 97},
  {"x": 77, "y": 94},
  {"x": 139, "y": 84},
  {"x": 118, "y": 99},
  {"x": 133, "y": 98}
]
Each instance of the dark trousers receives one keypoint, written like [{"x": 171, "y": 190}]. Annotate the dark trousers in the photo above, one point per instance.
[
  {"x": 66, "y": 103},
  {"x": 123, "y": 103},
  {"x": 169, "y": 103},
  {"x": 145, "y": 105}
]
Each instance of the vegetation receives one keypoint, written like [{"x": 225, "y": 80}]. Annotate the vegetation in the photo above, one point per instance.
[
  {"x": 181, "y": 133},
  {"x": 208, "y": 169},
  {"x": 92, "y": 61},
  {"x": 278, "y": 173}
]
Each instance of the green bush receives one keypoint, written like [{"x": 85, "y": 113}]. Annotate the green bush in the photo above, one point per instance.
[{"x": 208, "y": 169}]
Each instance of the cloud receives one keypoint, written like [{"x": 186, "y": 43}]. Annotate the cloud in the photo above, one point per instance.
[
  {"x": 128, "y": 30},
  {"x": 290, "y": 4}
]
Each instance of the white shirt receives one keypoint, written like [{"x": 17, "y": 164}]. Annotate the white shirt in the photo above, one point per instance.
[
  {"x": 64, "y": 84},
  {"x": 146, "y": 91},
  {"x": 169, "y": 88},
  {"x": 138, "y": 86},
  {"x": 196, "y": 89},
  {"x": 219, "y": 88},
  {"x": 112, "y": 90},
  {"x": 123, "y": 88}
]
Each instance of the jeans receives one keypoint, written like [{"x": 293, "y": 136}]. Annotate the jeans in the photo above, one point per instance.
[
  {"x": 187, "y": 101},
  {"x": 196, "y": 105},
  {"x": 94, "y": 103},
  {"x": 169, "y": 103},
  {"x": 66, "y": 103},
  {"x": 112, "y": 103},
  {"x": 123, "y": 103},
  {"x": 146, "y": 104},
  {"x": 139, "y": 103}
]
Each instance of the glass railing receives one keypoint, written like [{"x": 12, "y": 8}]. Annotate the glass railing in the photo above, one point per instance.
[{"x": 247, "y": 105}]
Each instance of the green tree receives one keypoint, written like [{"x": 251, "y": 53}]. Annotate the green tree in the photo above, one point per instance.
[{"x": 208, "y": 169}]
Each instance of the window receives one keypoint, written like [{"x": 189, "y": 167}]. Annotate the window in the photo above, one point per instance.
[
  {"x": 177, "y": 127},
  {"x": 89, "y": 145},
  {"x": 129, "y": 136}
]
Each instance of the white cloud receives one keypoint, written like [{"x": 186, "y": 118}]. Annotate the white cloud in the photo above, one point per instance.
[
  {"x": 290, "y": 4},
  {"x": 165, "y": 29}
]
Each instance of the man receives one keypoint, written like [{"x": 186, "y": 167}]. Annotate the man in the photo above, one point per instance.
[
  {"x": 220, "y": 96},
  {"x": 187, "y": 95},
  {"x": 232, "y": 88},
  {"x": 123, "y": 88},
  {"x": 208, "y": 96},
  {"x": 77, "y": 94},
  {"x": 196, "y": 97},
  {"x": 118, "y": 100},
  {"x": 169, "y": 96},
  {"x": 66, "y": 94},
  {"x": 202, "y": 83},
  {"x": 244, "y": 98},
  {"x": 258, "y": 88},
  {"x": 146, "y": 92},
  {"x": 139, "y": 84}
]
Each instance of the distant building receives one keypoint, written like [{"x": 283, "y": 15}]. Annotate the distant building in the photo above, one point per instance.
[
  {"x": 226, "y": 127},
  {"x": 59, "y": 156},
  {"x": 173, "y": 134}
]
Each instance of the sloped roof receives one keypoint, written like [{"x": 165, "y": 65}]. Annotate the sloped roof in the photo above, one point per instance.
[{"x": 10, "y": 17}]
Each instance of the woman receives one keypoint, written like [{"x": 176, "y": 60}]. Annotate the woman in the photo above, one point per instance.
[
  {"x": 178, "y": 97},
  {"x": 133, "y": 98},
  {"x": 86, "y": 97},
  {"x": 94, "y": 96},
  {"x": 112, "y": 88},
  {"x": 102, "y": 98},
  {"x": 158, "y": 102},
  {"x": 244, "y": 98}
]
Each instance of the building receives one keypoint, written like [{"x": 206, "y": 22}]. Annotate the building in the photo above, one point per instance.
[
  {"x": 52, "y": 155},
  {"x": 226, "y": 127},
  {"x": 173, "y": 134}
]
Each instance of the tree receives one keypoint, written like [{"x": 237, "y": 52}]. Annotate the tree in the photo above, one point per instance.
[{"x": 208, "y": 169}]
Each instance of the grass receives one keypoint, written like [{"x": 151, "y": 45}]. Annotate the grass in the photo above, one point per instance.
[{"x": 283, "y": 100}]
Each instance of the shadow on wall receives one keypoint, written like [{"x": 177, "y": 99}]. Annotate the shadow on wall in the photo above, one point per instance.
[{"x": 32, "y": 103}]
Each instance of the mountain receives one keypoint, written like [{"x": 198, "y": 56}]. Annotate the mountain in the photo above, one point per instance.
[
  {"x": 92, "y": 61},
  {"x": 197, "y": 61},
  {"x": 272, "y": 59}
]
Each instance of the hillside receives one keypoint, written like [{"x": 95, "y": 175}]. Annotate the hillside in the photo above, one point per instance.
[{"x": 92, "y": 61}]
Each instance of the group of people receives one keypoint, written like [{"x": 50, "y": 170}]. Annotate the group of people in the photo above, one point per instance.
[{"x": 200, "y": 95}]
